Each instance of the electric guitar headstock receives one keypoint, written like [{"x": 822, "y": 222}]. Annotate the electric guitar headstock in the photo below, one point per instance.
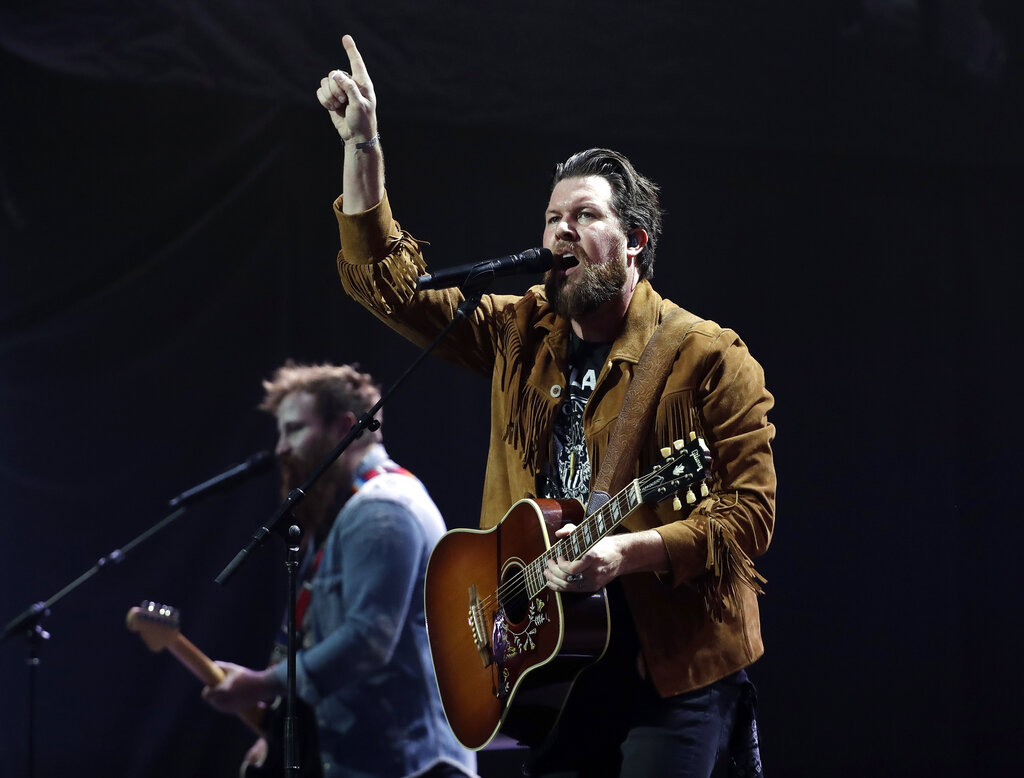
[
  {"x": 684, "y": 466},
  {"x": 158, "y": 625}
]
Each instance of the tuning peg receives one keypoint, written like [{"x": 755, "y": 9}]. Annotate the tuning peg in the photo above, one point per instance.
[
  {"x": 679, "y": 445},
  {"x": 691, "y": 498},
  {"x": 677, "y": 504},
  {"x": 693, "y": 435},
  {"x": 704, "y": 492},
  {"x": 666, "y": 452}
]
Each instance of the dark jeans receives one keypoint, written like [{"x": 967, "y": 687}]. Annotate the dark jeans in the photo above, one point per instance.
[
  {"x": 615, "y": 725},
  {"x": 686, "y": 736}
]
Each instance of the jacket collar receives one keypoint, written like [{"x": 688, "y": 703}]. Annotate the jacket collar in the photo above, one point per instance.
[{"x": 642, "y": 317}]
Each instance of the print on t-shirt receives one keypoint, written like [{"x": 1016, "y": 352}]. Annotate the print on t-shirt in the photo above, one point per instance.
[{"x": 568, "y": 473}]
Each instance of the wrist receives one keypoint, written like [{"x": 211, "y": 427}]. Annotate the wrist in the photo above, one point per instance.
[
  {"x": 642, "y": 552},
  {"x": 361, "y": 145},
  {"x": 269, "y": 684}
]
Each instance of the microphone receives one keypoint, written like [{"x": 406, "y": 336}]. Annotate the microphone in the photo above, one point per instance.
[
  {"x": 253, "y": 466},
  {"x": 529, "y": 261}
]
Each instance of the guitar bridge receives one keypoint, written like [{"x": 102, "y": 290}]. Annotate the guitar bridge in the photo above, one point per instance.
[{"x": 478, "y": 625}]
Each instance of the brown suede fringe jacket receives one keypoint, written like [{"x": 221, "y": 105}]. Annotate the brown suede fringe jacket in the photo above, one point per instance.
[{"x": 698, "y": 621}]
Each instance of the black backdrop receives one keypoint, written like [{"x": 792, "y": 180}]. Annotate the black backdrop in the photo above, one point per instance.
[{"x": 842, "y": 186}]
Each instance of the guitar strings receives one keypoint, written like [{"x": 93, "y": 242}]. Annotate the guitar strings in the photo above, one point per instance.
[
  {"x": 561, "y": 547},
  {"x": 517, "y": 582}
]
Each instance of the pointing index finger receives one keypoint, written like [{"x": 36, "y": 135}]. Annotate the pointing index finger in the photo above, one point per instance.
[{"x": 355, "y": 59}]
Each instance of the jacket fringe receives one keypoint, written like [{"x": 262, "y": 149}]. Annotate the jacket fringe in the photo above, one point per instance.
[
  {"x": 596, "y": 448},
  {"x": 527, "y": 408},
  {"x": 676, "y": 420},
  {"x": 728, "y": 566},
  {"x": 391, "y": 279}
]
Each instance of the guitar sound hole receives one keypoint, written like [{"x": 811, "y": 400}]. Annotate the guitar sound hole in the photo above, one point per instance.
[{"x": 514, "y": 600}]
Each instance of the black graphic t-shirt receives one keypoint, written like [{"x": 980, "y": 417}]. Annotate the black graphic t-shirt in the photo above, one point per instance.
[{"x": 568, "y": 474}]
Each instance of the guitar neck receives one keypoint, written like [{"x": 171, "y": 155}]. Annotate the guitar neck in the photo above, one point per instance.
[
  {"x": 587, "y": 533},
  {"x": 683, "y": 465},
  {"x": 200, "y": 665}
]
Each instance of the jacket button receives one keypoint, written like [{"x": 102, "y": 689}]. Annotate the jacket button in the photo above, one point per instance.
[{"x": 556, "y": 391}]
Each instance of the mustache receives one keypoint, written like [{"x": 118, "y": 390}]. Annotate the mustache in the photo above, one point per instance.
[{"x": 559, "y": 249}]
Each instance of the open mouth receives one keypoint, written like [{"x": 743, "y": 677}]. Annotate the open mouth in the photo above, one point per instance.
[{"x": 564, "y": 263}]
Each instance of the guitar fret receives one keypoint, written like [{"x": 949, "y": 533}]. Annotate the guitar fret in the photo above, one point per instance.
[{"x": 633, "y": 495}]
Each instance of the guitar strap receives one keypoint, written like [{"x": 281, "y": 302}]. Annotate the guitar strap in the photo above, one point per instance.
[{"x": 634, "y": 422}]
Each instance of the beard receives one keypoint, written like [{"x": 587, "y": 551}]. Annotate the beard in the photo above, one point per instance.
[
  {"x": 316, "y": 512},
  {"x": 592, "y": 287}
]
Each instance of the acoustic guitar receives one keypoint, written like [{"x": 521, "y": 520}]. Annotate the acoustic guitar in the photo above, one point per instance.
[
  {"x": 507, "y": 649},
  {"x": 159, "y": 627}
]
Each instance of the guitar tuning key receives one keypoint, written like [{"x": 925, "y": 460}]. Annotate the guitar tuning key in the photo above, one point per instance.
[
  {"x": 679, "y": 445},
  {"x": 691, "y": 498},
  {"x": 666, "y": 452},
  {"x": 677, "y": 504},
  {"x": 704, "y": 491},
  {"x": 693, "y": 435}
]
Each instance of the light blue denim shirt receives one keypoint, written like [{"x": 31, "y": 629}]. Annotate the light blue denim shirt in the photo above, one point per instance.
[{"x": 367, "y": 670}]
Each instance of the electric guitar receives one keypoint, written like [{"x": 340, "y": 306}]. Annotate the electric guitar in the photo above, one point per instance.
[
  {"x": 159, "y": 627},
  {"x": 507, "y": 660}
]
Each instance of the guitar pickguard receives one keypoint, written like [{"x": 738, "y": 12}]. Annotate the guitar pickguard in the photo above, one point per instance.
[
  {"x": 512, "y": 642},
  {"x": 516, "y": 623}
]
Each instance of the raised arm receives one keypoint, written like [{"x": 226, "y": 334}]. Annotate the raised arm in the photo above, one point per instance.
[{"x": 353, "y": 109}]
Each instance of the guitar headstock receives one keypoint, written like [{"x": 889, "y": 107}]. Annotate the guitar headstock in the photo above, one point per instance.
[
  {"x": 685, "y": 465},
  {"x": 157, "y": 625}
]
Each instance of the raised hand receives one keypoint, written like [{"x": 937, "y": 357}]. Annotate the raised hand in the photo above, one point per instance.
[{"x": 350, "y": 98}]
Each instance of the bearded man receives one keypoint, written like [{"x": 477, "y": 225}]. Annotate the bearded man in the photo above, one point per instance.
[
  {"x": 365, "y": 665},
  {"x": 670, "y": 696}
]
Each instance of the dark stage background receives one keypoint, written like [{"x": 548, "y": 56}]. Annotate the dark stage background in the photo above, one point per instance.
[{"x": 843, "y": 186}]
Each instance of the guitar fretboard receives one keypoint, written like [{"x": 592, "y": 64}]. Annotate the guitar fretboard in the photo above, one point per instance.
[{"x": 580, "y": 540}]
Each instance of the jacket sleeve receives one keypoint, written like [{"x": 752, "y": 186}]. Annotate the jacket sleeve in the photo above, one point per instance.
[
  {"x": 379, "y": 264},
  {"x": 715, "y": 545}
]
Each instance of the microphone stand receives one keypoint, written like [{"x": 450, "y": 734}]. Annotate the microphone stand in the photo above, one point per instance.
[
  {"x": 30, "y": 621},
  {"x": 472, "y": 289}
]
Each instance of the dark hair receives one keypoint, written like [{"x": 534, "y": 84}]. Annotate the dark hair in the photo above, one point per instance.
[
  {"x": 634, "y": 197},
  {"x": 336, "y": 389}
]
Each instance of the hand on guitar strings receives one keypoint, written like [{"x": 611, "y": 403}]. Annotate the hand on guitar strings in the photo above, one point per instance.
[{"x": 590, "y": 572}]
